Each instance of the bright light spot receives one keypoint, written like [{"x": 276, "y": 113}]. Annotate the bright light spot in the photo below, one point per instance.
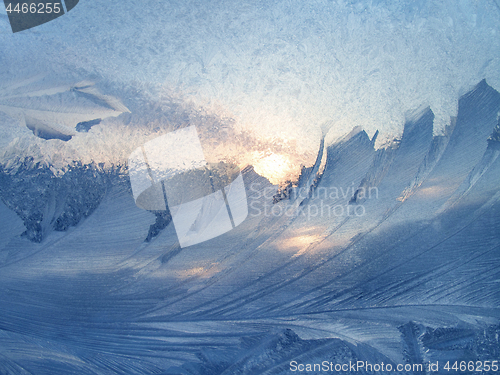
[
  {"x": 436, "y": 190},
  {"x": 198, "y": 272},
  {"x": 273, "y": 167},
  {"x": 298, "y": 244}
]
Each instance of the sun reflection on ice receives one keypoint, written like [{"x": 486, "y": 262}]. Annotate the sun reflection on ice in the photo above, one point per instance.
[{"x": 298, "y": 245}]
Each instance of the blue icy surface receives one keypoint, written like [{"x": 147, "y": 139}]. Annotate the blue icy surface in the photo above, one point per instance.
[{"x": 86, "y": 287}]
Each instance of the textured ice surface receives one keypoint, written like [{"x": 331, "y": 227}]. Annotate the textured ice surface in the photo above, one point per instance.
[
  {"x": 413, "y": 279},
  {"x": 91, "y": 284},
  {"x": 282, "y": 68}
]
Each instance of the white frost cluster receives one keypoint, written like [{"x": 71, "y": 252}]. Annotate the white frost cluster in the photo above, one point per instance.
[{"x": 279, "y": 69}]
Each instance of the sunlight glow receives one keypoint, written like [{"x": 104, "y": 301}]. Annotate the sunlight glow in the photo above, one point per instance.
[{"x": 274, "y": 167}]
